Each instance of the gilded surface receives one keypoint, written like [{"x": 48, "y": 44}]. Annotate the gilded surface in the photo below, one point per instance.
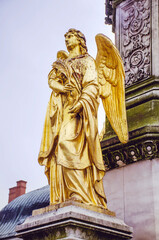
[{"x": 70, "y": 148}]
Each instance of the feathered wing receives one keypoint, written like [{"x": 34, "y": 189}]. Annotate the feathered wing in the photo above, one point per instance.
[{"x": 111, "y": 77}]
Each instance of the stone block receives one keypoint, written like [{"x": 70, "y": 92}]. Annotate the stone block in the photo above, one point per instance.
[
  {"x": 73, "y": 222},
  {"x": 133, "y": 193}
]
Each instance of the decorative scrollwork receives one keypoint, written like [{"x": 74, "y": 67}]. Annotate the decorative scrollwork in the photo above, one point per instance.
[
  {"x": 150, "y": 149},
  {"x": 131, "y": 153},
  {"x": 106, "y": 161},
  {"x": 118, "y": 158},
  {"x": 136, "y": 40}
]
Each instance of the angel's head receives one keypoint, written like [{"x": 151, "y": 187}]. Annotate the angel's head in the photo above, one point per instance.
[{"x": 74, "y": 37}]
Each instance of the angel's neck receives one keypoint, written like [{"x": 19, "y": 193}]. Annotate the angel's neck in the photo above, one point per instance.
[{"x": 74, "y": 52}]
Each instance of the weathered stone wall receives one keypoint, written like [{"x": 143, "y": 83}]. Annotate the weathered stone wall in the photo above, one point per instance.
[{"x": 133, "y": 193}]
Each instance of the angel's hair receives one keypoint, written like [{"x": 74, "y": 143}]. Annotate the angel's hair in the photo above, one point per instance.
[{"x": 81, "y": 38}]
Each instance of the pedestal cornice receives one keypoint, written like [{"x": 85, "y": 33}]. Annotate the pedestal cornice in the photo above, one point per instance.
[
  {"x": 73, "y": 222},
  {"x": 143, "y": 145}
]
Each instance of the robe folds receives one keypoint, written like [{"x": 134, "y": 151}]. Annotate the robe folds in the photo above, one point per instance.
[{"x": 70, "y": 148}]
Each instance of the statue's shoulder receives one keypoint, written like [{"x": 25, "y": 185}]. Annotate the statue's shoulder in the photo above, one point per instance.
[
  {"x": 82, "y": 62},
  {"x": 88, "y": 59}
]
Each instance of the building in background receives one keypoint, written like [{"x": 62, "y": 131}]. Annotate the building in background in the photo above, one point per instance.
[
  {"x": 19, "y": 209},
  {"x": 17, "y": 191}
]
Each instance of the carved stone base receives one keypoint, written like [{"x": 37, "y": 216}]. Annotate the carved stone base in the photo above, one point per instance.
[{"x": 73, "y": 222}]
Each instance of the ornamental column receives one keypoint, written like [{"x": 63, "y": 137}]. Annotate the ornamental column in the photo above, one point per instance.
[{"x": 133, "y": 168}]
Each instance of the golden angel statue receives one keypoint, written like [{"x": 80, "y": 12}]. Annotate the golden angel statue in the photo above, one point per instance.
[{"x": 70, "y": 148}]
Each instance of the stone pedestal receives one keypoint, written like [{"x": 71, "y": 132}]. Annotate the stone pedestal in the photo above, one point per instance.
[{"x": 73, "y": 222}]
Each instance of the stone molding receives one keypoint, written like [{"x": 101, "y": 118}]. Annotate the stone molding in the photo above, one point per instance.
[
  {"x": 73, "y": 203},
  {"x": 142, "y": 92},
  {"x": 143, "y": 145},
  {"x": 72, "y": 222}
]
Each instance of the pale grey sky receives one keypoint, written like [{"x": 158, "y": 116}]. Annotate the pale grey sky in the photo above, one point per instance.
[{"x": 31, "y": 32}]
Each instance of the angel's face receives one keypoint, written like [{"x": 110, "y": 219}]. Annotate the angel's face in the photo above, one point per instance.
[{"x": 71, "y": 41}]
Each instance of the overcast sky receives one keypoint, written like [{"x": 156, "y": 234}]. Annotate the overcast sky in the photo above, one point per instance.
[{"x": 31, "y": 33}]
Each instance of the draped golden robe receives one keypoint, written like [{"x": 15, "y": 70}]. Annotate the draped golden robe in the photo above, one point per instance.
[{"x": 70, "y": 149}]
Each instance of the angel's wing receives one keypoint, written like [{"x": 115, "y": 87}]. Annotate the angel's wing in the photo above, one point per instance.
[{"x": 111, "y": 77}]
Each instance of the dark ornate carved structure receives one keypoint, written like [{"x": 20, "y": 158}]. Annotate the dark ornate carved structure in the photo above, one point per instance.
[
  {"x": 108, "y": 11},
  {"x": 137, "y": 40},
  {"x": 135, "y": 33},
  {"x": 121, "y": 155}
]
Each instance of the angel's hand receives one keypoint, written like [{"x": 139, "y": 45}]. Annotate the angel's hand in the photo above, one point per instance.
[
  {"x": 68, "y": 88},
  {"x": 76, "y": 109},
  {"x": 55, "y": 85}
]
